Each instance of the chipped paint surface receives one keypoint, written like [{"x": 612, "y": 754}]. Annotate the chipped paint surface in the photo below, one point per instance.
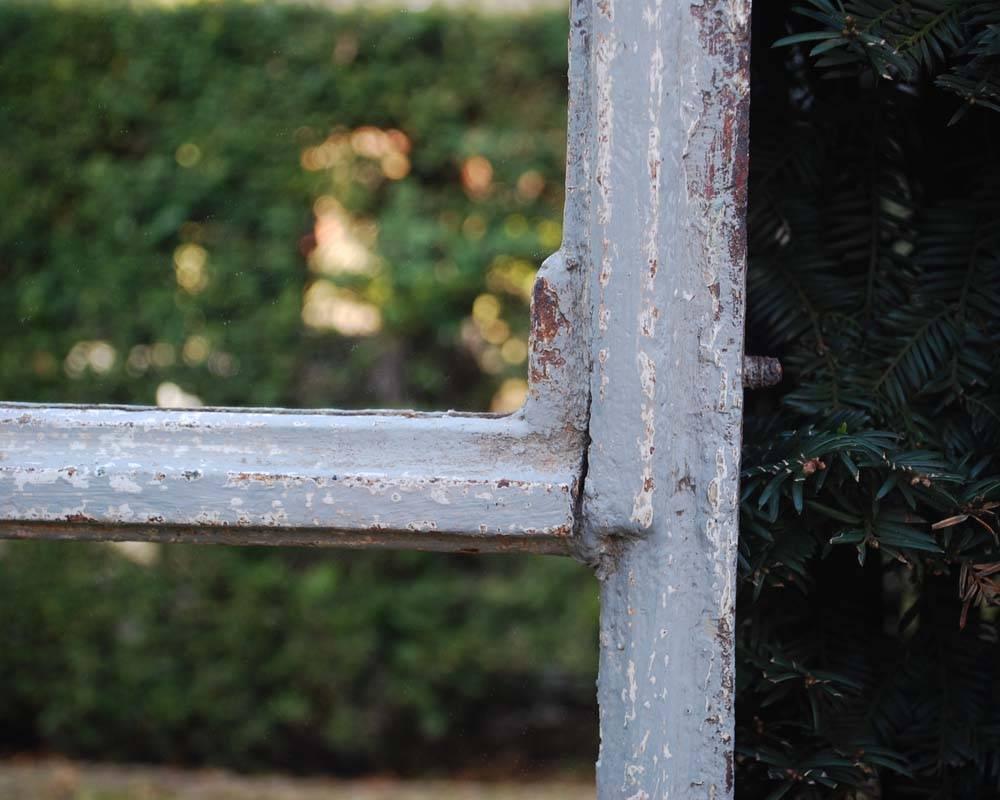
[
  {"x": 319, "y": 479},
  {"x": 660, "y": 498}
]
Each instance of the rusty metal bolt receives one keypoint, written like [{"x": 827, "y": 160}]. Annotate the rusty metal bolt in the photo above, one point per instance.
[{"x": 760, "y": 372}]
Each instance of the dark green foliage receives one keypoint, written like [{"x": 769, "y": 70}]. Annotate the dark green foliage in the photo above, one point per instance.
[
  {"x": 867, "y": 648},
  {"x": 955, "y": 42},
  {"x": 256, "y": 658}
]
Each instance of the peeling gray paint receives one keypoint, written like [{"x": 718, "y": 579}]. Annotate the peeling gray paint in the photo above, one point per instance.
[
  {"x": 337, "y": 479},
  {"x": 669, "y": 91}
]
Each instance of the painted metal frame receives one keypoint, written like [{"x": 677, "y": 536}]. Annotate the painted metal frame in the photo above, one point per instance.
[{"x": 625, "y": 455}]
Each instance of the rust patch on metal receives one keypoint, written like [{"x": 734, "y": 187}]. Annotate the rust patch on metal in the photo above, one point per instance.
[
  {"x": 714, "y": 290},
  {"x": 726, "y": 166},
  {"x": 546, "y": 359},
  {"x": 546, "y": 316},
  {"x": 547, "y": 321}
]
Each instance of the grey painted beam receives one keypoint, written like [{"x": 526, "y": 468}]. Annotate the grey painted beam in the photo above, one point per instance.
[
  {"x": 425, "y": 481},
  {"x": 669, "y": 89}
]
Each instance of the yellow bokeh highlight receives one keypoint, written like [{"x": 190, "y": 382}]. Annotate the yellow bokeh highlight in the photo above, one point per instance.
[
  {"x": 190, "y": 262},
  {"x": 196, "y": 349},
  {"x": 514, "y": 276},
  {"x": 485, "y": 308},
  {"x": 549, "y": 234},
  {"x": 95, "y": 355},
  {"x": 514, "y": 351},
  {"x": 342, "y": 244},
  {"x": 329, "y": 307},
  {"x": 389, "y": 148},
  {"x": 395, "y": 166},
  {"x": 510, "y": 396},
  {"x": 496, "y": 331}
]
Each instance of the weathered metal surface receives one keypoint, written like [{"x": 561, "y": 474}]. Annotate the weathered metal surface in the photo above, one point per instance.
[
  {"x": 434, "y": 481},
  {"x": 668, "y": 88}
]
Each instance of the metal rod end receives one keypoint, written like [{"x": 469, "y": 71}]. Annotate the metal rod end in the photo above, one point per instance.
[{"x": 760, "y": 372}]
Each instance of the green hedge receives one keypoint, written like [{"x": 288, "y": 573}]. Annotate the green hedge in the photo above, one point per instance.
[
  {"x": 257, "y": 658},
  {"x": 128, "y": 134}
]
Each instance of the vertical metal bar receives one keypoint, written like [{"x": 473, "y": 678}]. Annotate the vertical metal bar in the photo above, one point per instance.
[{"x": 669, "y": 91}]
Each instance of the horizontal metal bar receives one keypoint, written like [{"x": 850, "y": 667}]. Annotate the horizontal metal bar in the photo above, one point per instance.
[{"x": 431, "y": 481}]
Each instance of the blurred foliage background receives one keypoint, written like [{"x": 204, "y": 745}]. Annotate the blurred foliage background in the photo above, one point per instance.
[
  {"x": 266, "y": 204},
  {"x": 269, "y": 204}
]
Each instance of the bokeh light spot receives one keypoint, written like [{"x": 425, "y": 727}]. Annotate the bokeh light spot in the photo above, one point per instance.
[
  {"x": 530, "y": 184},
  {"x": 196, "y": 349},
  {"x": 189, "y": 267},
  {"x": 514, "y": 351},
  {"x": 510, "y": 396},
  {"x": 485, "y": 308},
  {"x": 329, "y": 307},
  {"x": 188, "y": 154},
  {"x": 170, "y": 395},
  {"x": 95, "y": 355},
  {"x": 477, "y": 177}
]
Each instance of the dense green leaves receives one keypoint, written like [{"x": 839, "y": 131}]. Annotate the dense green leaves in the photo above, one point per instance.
[
  {"x": 315, "y": 661},
  {"x": 869, "y": 541},
  {"x": 265, "y": 203},
  {"x": 957, "y": 42}
]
